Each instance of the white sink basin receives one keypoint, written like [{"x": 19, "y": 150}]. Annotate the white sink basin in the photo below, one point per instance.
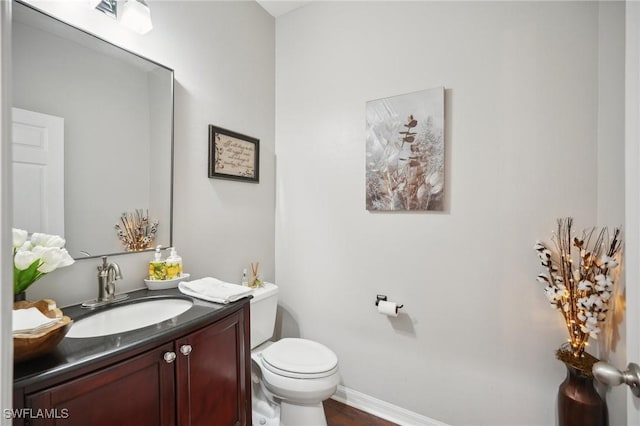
[{"x": 128, "y": 317}]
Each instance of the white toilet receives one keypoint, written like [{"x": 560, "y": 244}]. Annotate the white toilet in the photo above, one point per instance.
[{"x": 290, "y": 377}]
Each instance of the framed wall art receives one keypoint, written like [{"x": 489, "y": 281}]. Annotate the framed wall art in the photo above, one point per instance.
[
  {"x": 405, "y": 152},
  {"x": 233, "y": 155}
]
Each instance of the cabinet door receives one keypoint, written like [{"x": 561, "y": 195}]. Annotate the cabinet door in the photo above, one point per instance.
[
  {"x": 138, "y": 391},
  {"x": 211, "y": 374}
]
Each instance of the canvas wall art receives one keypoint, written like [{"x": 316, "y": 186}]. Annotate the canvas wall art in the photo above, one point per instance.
[{"x": 405, "y": 152}]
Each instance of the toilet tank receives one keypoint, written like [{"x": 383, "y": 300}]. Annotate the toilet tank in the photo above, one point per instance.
[{"x": 263, "y": 313}]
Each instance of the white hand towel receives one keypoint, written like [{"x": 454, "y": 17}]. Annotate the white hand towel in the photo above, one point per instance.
[
  {"x": 214, "y": 290},
  {"x": 26, "y": 320}
]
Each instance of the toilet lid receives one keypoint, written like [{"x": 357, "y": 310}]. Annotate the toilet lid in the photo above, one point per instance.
[{"x": 300, "y": 358}]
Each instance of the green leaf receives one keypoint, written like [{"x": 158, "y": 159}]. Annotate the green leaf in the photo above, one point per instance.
[{"x": 23, "y": 279}]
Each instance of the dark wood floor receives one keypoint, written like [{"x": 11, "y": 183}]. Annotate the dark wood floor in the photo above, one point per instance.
[{"x": 339, "y": 414}]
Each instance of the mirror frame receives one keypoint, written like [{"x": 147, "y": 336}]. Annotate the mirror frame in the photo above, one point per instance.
[{"x": 172, "y": 126}]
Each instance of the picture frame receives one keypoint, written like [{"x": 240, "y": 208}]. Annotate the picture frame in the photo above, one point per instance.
[{"x": 233, "y": 156}]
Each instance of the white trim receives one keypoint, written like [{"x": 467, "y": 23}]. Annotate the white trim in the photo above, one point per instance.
[
  {"x": 632, "y": 199},
  {"x": 382, "y": 409}
]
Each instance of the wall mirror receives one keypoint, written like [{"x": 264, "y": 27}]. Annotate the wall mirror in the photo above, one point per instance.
[{"x": 92, "y": 135}]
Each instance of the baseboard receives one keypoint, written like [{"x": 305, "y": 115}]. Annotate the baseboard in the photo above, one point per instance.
[{"x": 382, "y": 409}]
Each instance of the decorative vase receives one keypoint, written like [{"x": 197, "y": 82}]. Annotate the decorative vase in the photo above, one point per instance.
[
  {"x": 579, "y": 403},
  {"x": 20, "y": 296}
]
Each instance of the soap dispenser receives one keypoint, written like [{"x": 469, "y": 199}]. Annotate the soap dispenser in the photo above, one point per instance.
[
  {"x": 157, "y": 267},
  {"x": 244, "y": 281},
  {"x": 174, "y": 264}
]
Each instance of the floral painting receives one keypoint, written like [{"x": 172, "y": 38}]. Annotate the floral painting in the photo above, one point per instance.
[{"x": 405, "y": 151}]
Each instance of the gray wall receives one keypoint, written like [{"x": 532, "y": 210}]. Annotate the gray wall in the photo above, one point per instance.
[
  {"x": 522, "y": 147},
  {"x": 223, "y": 56}
]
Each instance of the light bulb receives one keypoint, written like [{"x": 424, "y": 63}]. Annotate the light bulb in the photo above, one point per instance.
[{"x": 136, "y": 16}]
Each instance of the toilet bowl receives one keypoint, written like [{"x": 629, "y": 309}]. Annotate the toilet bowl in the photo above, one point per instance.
[{"x": 290, "y": 377}]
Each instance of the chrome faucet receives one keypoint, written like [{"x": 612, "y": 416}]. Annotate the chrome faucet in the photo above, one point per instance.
[{"x": 108, "y": 273}]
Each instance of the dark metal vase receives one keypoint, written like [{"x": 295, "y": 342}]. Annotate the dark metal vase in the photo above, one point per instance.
[{"x": 579, "y": 404}]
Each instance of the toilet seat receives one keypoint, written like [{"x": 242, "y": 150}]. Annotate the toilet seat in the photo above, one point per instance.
[{"x": 300, "y": 359}]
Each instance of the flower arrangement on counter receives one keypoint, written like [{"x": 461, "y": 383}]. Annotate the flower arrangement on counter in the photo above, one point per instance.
[
  {"x": 579, "y": 282},
  {"x": 135, "y": 231},
  {"x": 35, "y": 257}
]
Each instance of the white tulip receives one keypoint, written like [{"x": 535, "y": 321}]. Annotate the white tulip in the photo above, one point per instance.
[
  {"x": 37, "y": 238},
  {"x": 23, "y": 259},
  {"x": 46, "y": 240},
  {"x": 25, "y": 247},
  {"x": 50, "y": 258},
  {"x": 67, "y": 260},
  {"x": 19, "y": 237}
]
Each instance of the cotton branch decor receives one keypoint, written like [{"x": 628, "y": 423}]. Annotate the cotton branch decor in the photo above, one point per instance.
[
  {"x": 579, "y": 283},
  {"x": 135, "y": 231}
]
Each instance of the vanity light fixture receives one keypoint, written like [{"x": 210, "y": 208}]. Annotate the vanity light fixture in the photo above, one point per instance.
[
  {"x": 133, "y": 14},
  {"x": 108, "y": 7},
  {"x": 136, "y": 16}
]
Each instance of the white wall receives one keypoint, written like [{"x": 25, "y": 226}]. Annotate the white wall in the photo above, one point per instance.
[
  {"x": 223, "y": 57},
  {"x": 475, "y": 343}
]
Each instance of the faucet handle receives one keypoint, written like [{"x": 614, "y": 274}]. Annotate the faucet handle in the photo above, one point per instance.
[{"x": 104, "y": 266}]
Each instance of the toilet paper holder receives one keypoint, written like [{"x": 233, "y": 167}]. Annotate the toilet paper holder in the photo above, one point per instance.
[{"x": 380, "y": 297}]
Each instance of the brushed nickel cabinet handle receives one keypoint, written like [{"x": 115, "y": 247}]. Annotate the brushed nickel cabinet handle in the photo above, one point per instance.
[
  {"x": 185, "y": 349},
  {"x": 169, "y": 357}
]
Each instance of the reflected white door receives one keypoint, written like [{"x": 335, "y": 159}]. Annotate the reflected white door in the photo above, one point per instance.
[{"x": 38, "y": 172}]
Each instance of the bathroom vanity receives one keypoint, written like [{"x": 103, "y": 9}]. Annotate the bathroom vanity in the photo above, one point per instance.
[{"x": 193, "y": 369}]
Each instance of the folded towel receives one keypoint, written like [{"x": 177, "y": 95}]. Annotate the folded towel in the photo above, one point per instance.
[
  {"x": 214, "y": 290},
  {"x": 30, "y": 320}
]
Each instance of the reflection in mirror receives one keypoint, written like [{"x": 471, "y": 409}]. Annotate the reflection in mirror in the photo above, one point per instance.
[{"x": 93, "y": 135}]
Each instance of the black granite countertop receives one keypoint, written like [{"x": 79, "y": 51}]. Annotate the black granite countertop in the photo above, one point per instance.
[{"x": 78, "y": 353}]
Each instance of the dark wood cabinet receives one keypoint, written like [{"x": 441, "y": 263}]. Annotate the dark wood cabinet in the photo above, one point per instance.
[
  {"x": 211, "y": 376},
  {"x": 137, "y": 391},
  {"x": 201, "y": 378}
]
